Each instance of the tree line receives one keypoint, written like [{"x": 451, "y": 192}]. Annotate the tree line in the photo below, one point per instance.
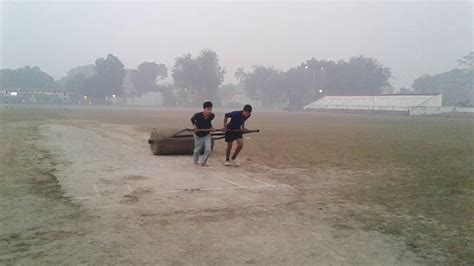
[
  {"x": 198, "y": 78},
  {"x": 456, "y": 84}
]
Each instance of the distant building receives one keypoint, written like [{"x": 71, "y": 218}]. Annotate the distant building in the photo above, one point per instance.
[
  {"x": 239, "y": 99},
  {"x": 382, "y": 102},
  {"x": 152, "y": 98}
]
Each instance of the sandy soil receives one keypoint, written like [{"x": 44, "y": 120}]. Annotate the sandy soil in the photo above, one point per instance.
[{"x": 136, "y": 208}]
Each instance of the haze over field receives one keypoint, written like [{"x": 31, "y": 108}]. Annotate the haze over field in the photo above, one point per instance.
[{"x": 410, "y": 38}]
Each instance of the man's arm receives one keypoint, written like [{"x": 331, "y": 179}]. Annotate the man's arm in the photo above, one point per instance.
[
  {"x": 226, "y": 116},
  {"x": 225, "y": 123},
  {"x": 212, "y": 127},
  {"x": 243, "y": 127},
  {"x": 193, "y": 121}
]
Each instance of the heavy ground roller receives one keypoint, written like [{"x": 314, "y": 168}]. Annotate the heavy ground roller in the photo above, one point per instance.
[{"x": 168, "y": 142}]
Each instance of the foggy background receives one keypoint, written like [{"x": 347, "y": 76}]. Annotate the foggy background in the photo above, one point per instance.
[{"x": 410, "y": 38}]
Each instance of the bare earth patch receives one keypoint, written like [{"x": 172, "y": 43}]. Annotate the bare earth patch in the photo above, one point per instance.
[{"x": 158, "y": 209}]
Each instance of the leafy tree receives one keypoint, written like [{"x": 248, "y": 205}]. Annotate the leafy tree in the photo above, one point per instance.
[
  {"x": 240, "y": 74},
  {"x": 87, "y": 71},
  {"x": 26, "y": 78},
  {"x": 76, "y": 86},
  {"x": 197, "y": 79},
  {"x": 360, "y": 76},
  {"x": 264, "y": 84},
  {"x": 306, "y": 82},
  {"x": 424, "y": 84},
  {"x": 227, "y": 91},
  {"x": 467, "y": 61},
  {"x": 299, "y": 93},
  {"x": 145, "y": 77},
  {"x": 109, "y": 77},
  {"x": 456, "y": 85},
  {"x": 312, "y": 79},
  {"x": 211, "y": 74},
  {"x": 76, "y": 81},
  {"x": 404, "y": 90},
  {"x": 168, "y": 93},
  {"x": 185, "y": 78}
]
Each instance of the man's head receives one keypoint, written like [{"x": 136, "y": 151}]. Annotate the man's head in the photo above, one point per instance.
[
  {"x": 207, "y": 107},
  {"x": 247, "y": 110}
]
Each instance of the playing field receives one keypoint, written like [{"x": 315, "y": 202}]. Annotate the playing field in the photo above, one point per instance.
[{"x": 81, "y": 186}]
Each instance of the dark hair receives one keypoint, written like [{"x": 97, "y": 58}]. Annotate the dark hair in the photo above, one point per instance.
[
  {"x": 248, "y": 108},
  {"x": 207, "y": 105}
]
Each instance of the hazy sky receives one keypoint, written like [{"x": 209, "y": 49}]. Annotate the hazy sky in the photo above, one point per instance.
[{"x": 411, "y": 38}]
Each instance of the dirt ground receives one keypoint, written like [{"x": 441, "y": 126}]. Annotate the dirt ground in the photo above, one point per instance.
[{"x": 85, "y": 189}]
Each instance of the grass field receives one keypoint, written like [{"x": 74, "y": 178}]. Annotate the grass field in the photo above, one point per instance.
[{"x": 407, "y": 177}]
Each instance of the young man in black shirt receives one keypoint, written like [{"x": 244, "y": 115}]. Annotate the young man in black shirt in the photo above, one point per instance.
[
  {"x": 234, "y": 131},
  {"x": 202, "y": 122}
]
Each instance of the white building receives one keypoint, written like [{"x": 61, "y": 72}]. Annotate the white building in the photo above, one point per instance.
[
  {"x": 152, "y": 98},
  {"x": 382, "y": 102}
]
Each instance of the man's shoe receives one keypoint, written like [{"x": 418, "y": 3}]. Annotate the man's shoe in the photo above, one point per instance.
[
  {"x": 235, "y": 162},
  {"x": 227, "y": 163}
]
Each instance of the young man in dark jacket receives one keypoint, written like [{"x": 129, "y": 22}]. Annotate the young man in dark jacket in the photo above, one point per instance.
[
  {"x": 233, "y": 132},
  {"x": 202, "y": 122}
]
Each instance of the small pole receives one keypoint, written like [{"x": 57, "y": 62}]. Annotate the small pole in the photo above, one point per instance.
[
  {"x": 373, "y": 102},
  {"x": 6, "y": 99}
]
